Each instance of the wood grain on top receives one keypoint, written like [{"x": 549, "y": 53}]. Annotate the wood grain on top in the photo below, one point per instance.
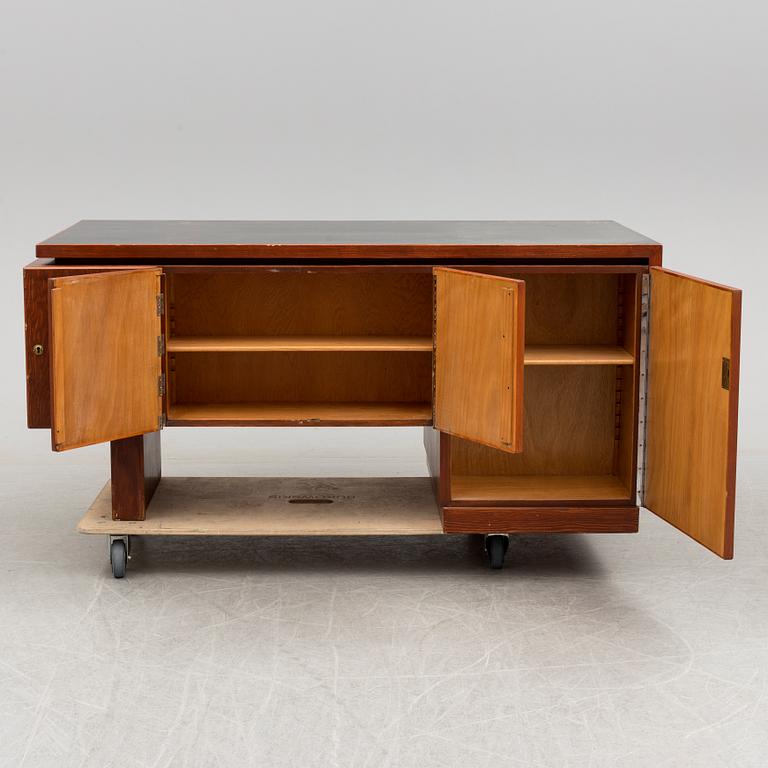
[{"x": 346, "y": 239}]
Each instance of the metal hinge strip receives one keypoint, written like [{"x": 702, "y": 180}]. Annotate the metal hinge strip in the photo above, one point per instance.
[
  {"x": 161, "y": 345},
  {"x": 160, "y": 304},
  {"x": 642, "y": 424},
  {"x": 161, "y": 384},
  {"x": 434, "y": 346}
]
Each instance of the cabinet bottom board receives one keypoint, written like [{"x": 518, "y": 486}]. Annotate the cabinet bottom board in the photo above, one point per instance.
[
  {"x": 300, "y": 414},
  {"x": 487, "y": 488}
]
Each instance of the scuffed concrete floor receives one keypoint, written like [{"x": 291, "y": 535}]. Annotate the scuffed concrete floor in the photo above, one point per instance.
[{"x": 637, "y": 650}]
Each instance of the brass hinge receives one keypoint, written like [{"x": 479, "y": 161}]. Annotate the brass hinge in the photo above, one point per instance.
[
  {"x": 725, "y": 375},
  {"x": 161, "y": 384},
  {"x": 161, "y": 345},
  {"x": 160, "y": 304},
  {"x": 161, "y": 421}
]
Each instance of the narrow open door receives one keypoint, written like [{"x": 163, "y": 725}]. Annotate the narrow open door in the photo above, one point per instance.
[
  {"x": 693, "y": 391},
  {"x": 479, "y": 346},
  {"x": 105, "y": 359}
]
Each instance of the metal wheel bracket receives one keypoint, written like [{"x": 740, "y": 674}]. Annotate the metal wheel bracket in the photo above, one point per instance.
[{"x": 496, "y": 546}]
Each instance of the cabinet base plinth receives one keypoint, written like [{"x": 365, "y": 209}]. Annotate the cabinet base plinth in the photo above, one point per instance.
[
  {"x": 540, "y": 519},
  {"x": 135, "y": 474}
]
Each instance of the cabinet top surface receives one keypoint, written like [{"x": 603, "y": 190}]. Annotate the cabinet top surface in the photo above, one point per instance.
[{"x": 220, "y": 239}]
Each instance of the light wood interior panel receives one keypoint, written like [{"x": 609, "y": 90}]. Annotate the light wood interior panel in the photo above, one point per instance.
[
  {"x": 105, "y": 365},
  {"x": 301, "y": 303},
  {"x": 691, "y": 437},
  {"x": 568, "y": 427},
  {"x": 579, "y": 309},
  {"x": 479, "y": 357},
  {"x": 231, "y": 377}
]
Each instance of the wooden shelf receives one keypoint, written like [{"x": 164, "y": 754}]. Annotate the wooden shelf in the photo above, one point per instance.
[
  {"x": 277, "y": 506},
  {"x": 300, "y": 344},
  {"x": 577, "y": 355},
  {"x": 534, "y": 355},
  {"x": 538, "y": 488},
  {"x": 298, "y": 414}
]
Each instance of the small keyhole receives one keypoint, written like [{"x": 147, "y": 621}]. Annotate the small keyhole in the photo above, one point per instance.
[{"x": 37, "y": 349}]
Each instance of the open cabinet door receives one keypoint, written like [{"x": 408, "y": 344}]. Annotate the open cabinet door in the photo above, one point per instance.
[
  {"x": 479, "y": 347},
  {"x": 105, "y": 358},
  {"x": 693, "y": 391}
]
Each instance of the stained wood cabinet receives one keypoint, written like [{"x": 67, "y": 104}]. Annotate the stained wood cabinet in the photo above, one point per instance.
[{"x": 557, "y": 370}]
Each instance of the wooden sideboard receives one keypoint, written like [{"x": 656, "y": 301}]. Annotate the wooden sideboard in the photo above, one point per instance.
[{"x": 561, "y": 376}]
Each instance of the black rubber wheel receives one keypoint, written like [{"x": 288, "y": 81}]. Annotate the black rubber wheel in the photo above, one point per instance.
[
  {"x": 496, "y": 547},
  {"x": 118, "y": 556}
]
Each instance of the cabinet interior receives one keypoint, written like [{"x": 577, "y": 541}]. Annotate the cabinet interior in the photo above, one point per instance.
[
  {"x": 330, "y": 346},
  {"x": 579, "y": 419},
  {"x": 300, "y": 346}
]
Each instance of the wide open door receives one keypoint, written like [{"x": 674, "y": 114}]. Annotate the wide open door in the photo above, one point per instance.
[
  {"x": 479, "y": 346},
  {"x": 693, "y": 392},
  {"x": 105, "y": 357}
]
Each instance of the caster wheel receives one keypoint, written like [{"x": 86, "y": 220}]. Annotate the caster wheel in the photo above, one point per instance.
[
  {"x": 496, "y": 545},
  {"x": 118, "y": 557}
]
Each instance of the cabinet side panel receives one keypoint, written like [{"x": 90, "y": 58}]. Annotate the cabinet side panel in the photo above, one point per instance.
[
  {"x": 438, "y": 445},
  {"x": 36, "y": 335}
]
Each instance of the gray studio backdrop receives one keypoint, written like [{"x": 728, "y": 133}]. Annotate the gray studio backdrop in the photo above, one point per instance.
[{"x": 650, "y": 112}]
